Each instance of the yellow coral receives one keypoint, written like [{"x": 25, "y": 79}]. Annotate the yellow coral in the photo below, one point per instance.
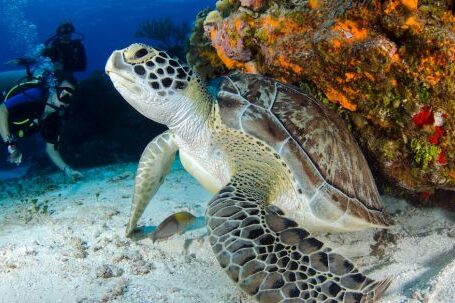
[
  {"x": 213, "y": 17},
  {"x": 337, "y": 97},
  {"x": 412, "y": 22},
  {"x": 273, "y": 27},
  {"x": 349, "y": 76},
  {"x": 452, "y": 174},
  {"x": 336, "y": 43},
  {"x": 314, "y": 4},
  {"x": 410, "y": 4},
  {"x": 269, "y": 21},
  {"x": 294, "y": 67},
  {"x": 428, "y": 67},
  {"x": 250, "y": 68},
  {"x": 391, "y": 6},
  {"x": 351, "y": 30}
]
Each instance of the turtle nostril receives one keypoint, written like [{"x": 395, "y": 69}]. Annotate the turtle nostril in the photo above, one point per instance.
[{"x": 140, "y": 53}]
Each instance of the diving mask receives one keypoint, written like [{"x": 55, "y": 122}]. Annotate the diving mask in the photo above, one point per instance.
[{"x": 66, "y": 28}]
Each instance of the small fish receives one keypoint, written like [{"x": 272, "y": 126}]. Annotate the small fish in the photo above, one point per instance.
[
  {"x": 142, "y": 232},
  {"x": 174, "y": 224}
]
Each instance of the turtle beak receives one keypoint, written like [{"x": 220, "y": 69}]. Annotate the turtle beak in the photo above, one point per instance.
[
  {"x": 117, "y": 67},
  {"x": 122, "y": 77}
]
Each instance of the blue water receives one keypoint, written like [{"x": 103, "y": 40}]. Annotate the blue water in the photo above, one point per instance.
[{"x": 106, "y": 25}]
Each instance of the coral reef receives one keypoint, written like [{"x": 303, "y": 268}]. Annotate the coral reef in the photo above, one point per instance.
[
  {"x": 200, "y": 54},
  {"x": 389, "y": 65},
  {"x": 255, "y": 5}
]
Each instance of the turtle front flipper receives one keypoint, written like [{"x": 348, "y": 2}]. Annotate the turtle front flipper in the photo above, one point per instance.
[
  {"x": 274, "y": 260},
  {"x": 154, "y": 165}
]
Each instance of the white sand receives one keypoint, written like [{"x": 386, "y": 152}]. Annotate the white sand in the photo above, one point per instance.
[{"x": 78, "y": 252}]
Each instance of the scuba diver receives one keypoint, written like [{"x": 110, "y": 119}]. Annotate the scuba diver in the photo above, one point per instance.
[
  {"x": 67, "y": 54},
  {"x": 35, "y": 106}
]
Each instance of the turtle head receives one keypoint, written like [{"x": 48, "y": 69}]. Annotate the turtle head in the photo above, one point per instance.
[{"x": 150, "y": 80}]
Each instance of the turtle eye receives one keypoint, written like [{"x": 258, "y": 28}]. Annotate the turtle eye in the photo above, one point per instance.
[{"x": 140, "y": 53}]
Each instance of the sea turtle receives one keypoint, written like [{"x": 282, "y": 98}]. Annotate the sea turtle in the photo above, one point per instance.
[{"x": 279, "y": 163}]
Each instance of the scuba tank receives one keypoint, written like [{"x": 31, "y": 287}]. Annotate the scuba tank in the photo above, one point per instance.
[
  {"x": 23, "y": 124},
  {"x": 22, "y": 85},
  {"x": 28, "y": 80},
  {"x": 9, "y": 79}
]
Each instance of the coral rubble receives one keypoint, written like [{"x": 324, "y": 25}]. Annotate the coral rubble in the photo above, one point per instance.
[{"x": 388, "y": 64}]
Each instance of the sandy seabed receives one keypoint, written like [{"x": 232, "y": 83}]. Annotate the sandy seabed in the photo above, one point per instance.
[{"x": 64, "y": 242}]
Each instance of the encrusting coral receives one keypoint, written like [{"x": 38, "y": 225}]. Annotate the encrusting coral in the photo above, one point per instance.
[
  {"x": 200, "y": 54},
  {"x": 388, "y": 64}
]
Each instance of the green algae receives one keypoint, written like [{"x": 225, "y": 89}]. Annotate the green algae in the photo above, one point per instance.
[{"x": 424, "y": 152}]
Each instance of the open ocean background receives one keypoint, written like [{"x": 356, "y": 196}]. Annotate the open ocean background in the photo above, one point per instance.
[{"x": 105, "y": 24}]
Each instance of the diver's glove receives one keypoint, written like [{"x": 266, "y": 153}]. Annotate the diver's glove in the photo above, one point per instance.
[
  {"x": 15, "y": 156},
  {"x": 71, "y": 173}
]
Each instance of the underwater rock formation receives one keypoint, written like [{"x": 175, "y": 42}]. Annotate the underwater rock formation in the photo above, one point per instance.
[
  {"x": 201, "y": 55},
  {"x": 388, "y": 64}
]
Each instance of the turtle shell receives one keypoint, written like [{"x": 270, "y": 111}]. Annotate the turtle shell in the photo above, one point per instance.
[{"x": 322, "y": 154}]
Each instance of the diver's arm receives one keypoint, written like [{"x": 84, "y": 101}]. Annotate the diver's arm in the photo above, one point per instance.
[
  {"x": 15, "y": 156},
  {"x": 4, "y": 129},
  {"x": 56, "y": 158}
]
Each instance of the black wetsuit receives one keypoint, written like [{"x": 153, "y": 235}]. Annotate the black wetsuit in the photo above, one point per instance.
[{"x": 71, "y": 54}]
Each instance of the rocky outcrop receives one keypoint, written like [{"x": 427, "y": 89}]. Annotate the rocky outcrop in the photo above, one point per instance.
[{"x": 388, "y": 65}]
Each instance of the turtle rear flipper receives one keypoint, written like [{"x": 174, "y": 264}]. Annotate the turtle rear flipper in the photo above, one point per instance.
[{"x": 274, "y": 260}]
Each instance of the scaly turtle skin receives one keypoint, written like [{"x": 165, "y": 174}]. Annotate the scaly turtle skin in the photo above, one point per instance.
[{"x": 268, "y": 152}]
